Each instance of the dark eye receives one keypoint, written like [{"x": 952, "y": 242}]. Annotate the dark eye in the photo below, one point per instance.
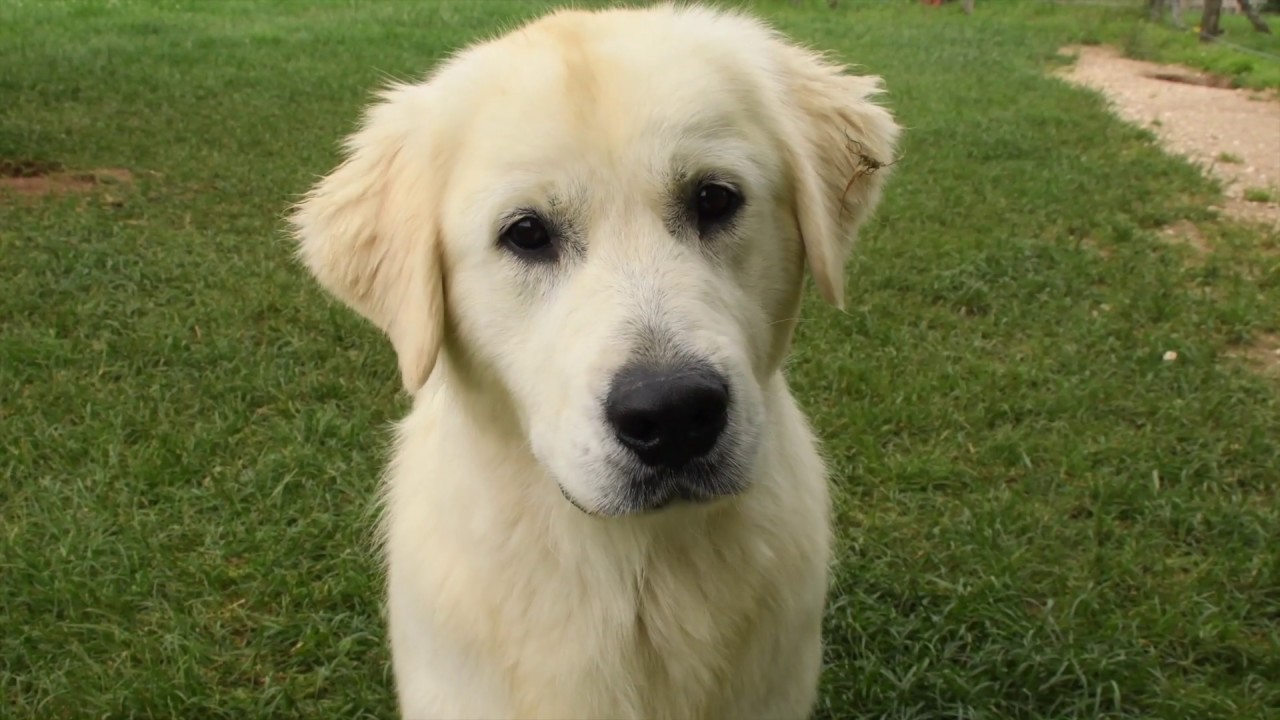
[
  {"x": 527, "y": 235},
  {"x": 715, "y": 204}
]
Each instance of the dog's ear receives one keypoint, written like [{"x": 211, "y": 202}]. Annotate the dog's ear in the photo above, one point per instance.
[
  {"x": 841, "y": 145},
  {"x": 368, "y": 233}
]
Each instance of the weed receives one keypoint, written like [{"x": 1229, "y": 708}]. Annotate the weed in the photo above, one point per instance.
[{"x": 1259, "y": 195}]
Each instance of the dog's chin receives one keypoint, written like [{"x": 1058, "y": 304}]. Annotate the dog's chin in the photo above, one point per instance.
[{"x": 628, "y": 488}]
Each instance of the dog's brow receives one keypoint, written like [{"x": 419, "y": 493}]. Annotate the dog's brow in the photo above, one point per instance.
[
  {"x": 728, "y": 156},
  {"x": 514, "y": 201}
]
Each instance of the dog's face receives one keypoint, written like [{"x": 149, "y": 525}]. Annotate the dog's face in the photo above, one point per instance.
[{"x": 602, "y": 221}]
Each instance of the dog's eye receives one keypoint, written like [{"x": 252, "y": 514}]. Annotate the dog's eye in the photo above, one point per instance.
[
  {"x": 715, "y": 204},
  {"x": 527, "y": 235}
]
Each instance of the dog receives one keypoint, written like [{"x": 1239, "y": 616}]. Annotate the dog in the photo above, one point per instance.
[{"x": 586, "y": 241}]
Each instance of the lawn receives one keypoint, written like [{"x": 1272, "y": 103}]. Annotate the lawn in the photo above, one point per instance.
[{"x": 1038, "y": 515}]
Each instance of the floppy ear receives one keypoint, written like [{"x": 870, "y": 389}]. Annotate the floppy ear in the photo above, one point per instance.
[
  {"x": 841, "y": 146},
  {"x": 368, "y": 235}
]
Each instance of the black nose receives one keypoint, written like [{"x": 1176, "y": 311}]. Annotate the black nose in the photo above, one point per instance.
[{"x": 668, "y": 416}]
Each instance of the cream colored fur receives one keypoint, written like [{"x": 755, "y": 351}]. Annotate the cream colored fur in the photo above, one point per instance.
[{"x": 519, "y": 584}]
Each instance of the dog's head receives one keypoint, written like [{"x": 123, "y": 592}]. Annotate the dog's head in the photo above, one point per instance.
[{"x": 600, "y": 222}]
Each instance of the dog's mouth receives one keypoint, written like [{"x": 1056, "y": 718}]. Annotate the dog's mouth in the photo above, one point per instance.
[
  {"x": 639, "y": 490},
  {"x": 703, "y": 481}
]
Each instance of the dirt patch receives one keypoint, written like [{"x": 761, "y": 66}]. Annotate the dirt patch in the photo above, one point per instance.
[
  {"x": 35, "y": 178},
  {"x": 1185, "y": 232},
  {"x": 1263, "y": 355},
  {"x": 1232, "y": 133}
]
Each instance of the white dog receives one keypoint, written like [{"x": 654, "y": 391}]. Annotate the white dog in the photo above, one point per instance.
[{"x": 586, "y": 241}]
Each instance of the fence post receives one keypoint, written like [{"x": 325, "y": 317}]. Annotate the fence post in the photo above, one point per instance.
[{"x": 1209, "y": 21}]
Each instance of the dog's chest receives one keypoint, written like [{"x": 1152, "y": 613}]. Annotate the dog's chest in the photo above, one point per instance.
[
  {"x": 692, "y": 622},
  {"x": 666, "y": 645}
]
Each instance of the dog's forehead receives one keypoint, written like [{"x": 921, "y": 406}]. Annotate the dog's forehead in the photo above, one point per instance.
[{"x": 632, "y": 83}]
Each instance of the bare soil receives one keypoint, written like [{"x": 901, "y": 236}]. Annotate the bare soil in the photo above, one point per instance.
[
  {"x": 1234, "y": 134},
  {"x": 32, "y": 178},
  {"x": 1263, "y": 355}
]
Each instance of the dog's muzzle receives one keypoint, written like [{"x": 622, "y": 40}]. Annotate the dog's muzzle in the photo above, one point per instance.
[{"x": 671, "y": 421}]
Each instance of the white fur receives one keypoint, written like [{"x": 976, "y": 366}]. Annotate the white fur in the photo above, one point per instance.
[{"x": 520, "y": 582}]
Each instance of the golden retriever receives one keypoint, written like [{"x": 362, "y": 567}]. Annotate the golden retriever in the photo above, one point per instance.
[{"x": 586, "y": 242}]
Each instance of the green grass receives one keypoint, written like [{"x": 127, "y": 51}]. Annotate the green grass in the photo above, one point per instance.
[
  {"x": 1038, "y": 516},
  {"x": 1256, "y": 66},
  {"x": 1260, "y": 195}
]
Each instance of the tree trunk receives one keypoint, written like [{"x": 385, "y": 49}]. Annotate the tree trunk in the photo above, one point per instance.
[
  {"x": 1209, "y": 22},
  {"x": 1258, "y": 23},
  {"x": 1155, "y": 8},
  {"x": 968, "y": 7}
]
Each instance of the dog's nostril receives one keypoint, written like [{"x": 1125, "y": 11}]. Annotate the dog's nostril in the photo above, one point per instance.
[
  {"x": 639, "y": 427},
  {"x": 668, "y": 417}
]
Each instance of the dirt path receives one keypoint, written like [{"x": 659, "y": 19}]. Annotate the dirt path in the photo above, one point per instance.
[{"x": 1234, "y": 134}]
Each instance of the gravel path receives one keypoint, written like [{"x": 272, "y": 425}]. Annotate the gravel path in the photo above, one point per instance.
[{"x": 1234, "y": 134}]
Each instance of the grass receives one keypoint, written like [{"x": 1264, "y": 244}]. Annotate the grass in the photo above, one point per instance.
[
  {"x": 1038, "y": 516},
  {"x": 1260, "y": 195},
  {"x": 1253, "y": 62}
]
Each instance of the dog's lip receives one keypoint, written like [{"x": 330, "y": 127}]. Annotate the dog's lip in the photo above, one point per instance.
[
  {"x": 672, "y": 496},
  {"x": 652, "y": 494},
  {"x": 681, "y": 499},
  {"x": 644, "y": 490},
  {"x": 574, "y": 502}
]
